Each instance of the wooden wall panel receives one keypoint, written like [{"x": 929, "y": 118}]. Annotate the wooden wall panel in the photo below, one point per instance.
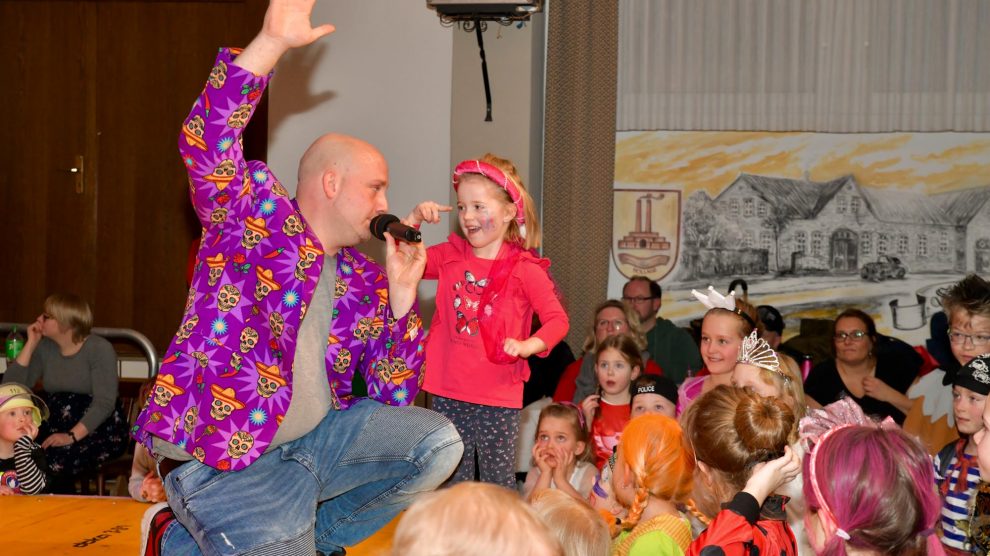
[{"x": 112, "y": 80}]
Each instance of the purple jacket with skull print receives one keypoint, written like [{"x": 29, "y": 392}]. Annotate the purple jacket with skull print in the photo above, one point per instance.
[{"x": 226, "y": 380}]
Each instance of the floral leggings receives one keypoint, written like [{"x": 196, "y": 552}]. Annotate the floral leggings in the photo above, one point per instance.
[{"x": 489, "y": 434}]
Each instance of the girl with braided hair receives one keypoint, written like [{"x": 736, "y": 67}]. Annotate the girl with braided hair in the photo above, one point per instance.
[
  {"x": 740, "y": 440},
  {"x": 652, "y": 477}
]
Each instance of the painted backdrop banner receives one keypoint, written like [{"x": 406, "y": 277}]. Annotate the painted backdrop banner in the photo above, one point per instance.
[{"x": 812, "y": 222}]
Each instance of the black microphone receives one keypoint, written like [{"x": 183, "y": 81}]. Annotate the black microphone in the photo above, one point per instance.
[{"x": 390, "y": 223}]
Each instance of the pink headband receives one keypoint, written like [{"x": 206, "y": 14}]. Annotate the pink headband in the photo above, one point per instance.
[
  {"x": 824, "y": 512},
  {"x": 580, "y": 413},
  {"x": 500, "y": 178}
]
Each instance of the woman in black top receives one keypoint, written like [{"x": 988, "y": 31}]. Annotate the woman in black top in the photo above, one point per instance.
[{"x": 875, "y": 371}]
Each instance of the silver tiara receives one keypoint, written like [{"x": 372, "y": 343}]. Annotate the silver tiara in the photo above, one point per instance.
[{"x": 757, "y": 352}]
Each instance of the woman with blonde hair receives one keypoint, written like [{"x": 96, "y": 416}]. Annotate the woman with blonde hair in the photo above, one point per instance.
[
  {"x": 78, "y": 373},
  {"x": 611, "y": 317}
]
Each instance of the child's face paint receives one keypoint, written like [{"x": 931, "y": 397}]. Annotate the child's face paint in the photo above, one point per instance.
[
  {"x": 977, "y": 327},
  {"x": 483, "y": 214}
]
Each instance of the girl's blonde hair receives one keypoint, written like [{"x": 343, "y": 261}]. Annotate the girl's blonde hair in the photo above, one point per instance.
[
  {"x": 572, "y": 414},
  {"x": 513, "y": 235},
  {"x": 742, "y": 308},
  {"x": 654, "y": 448},
  {"x": 730, "y": 430},
  {"x": 580, "y": 530},
  {"x": 71, "y": 312},
  {"x": 472, "y": 519},
  {"x": 632, "y": 319}
]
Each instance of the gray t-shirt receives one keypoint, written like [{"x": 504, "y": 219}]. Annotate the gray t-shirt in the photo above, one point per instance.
[
  {"x": 310, "y": 388},
  {"x": 92, "y": 370}
]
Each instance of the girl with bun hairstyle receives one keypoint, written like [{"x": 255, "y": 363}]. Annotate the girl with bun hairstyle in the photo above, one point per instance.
[
  {"x": 869, "y": 487},
  {"x": 759, "y": 369},
  {"x": 652, "y": 477},
  {"x": 740, "y": 441}
]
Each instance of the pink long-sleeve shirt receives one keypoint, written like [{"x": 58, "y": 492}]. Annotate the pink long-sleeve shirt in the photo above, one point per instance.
[{"x": 456, "y": 364}]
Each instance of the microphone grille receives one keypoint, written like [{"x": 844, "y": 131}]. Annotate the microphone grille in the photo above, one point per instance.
[{"x": 380, "y": 223}]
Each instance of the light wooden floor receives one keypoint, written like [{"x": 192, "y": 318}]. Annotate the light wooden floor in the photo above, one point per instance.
[{"x": 55, "y": 525}]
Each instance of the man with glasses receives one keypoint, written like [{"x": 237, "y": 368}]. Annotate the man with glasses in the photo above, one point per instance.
[{"x": 669, "y": 345}]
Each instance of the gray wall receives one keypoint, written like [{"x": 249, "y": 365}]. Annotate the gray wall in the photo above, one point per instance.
[{"x": 393, "y": 75}]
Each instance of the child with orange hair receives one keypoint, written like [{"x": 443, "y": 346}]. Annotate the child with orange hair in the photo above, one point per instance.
[
  {"x": 741, "y": 446},
  {"x": 652, "y": 476}
]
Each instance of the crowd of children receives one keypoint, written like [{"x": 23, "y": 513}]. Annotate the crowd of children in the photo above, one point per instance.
[{"x": 738, "y": 460}]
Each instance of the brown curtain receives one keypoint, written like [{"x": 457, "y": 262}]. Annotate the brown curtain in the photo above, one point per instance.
[{"x": 579, "y": 153}]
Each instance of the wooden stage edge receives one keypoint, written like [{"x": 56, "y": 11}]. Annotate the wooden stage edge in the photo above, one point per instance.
[{"x": 55, "y": 525}]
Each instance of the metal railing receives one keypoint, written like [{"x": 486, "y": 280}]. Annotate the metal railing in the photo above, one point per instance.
[{"x": 127, "y": 334}]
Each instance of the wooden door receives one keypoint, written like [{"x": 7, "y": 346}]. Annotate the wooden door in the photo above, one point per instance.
[
  {"x": 110, "y": 81},
  {"x": 44, "y": 104}
]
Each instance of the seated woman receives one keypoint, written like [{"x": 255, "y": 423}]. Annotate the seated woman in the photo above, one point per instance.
[
  {"x": 78, "y": 374},
  {"x": 611, "y": 317},
  {"x": 868, "y": 368}
]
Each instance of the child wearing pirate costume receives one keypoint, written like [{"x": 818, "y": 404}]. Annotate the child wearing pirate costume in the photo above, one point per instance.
[{"x": 957, "y": 469}]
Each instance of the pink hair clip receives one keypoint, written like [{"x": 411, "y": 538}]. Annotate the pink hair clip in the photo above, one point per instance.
[{"x": 580, "y": 413}]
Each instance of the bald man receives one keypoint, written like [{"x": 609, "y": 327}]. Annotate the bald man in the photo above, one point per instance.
[{"x": 262, "y": 444}]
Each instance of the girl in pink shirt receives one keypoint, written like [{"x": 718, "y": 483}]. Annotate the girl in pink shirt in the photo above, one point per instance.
[{"x": 489, "y": 286}]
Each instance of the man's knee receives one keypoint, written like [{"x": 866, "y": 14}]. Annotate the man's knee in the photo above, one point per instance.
[{"x": 444, "y": 449}]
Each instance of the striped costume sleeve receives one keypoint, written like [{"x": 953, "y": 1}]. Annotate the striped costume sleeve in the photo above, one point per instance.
[{"x": 29, "y": 461}]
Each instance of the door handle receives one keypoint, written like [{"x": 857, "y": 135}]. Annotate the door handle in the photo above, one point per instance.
[{"x": 79, "y": 173}]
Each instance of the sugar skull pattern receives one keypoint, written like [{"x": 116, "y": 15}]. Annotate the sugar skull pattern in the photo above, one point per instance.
[{"x": 226, "y": 381}]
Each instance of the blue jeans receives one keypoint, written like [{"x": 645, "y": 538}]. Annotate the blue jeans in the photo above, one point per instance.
[{"x": 332, "y": 488}]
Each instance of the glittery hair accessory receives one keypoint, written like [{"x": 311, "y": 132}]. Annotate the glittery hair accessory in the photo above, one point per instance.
[
  {"x": 500, "y": 178},
  {"x": 715, "y": 300},
  {"x": 758, "y": 353},
  {"x": 815, "y": 429}
]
